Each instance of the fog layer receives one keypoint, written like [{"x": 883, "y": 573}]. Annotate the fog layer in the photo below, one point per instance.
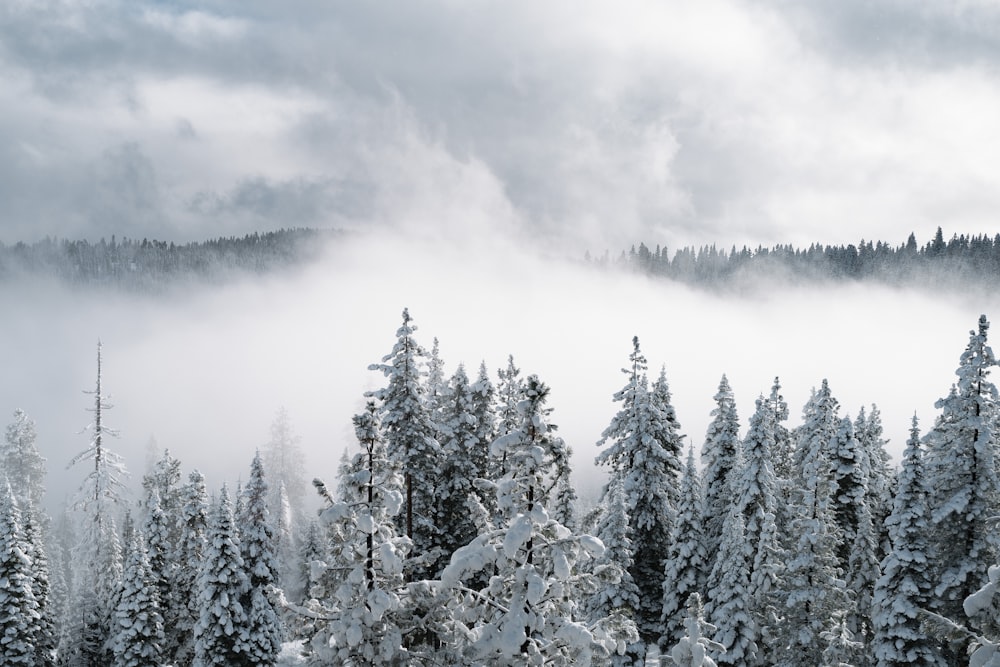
[{"x": 204, "y": 371}]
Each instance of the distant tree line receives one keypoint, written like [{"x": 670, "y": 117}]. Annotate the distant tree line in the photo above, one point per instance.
[
  {"x": 147, "y": 265},
  {"x": 938, "y": 262}
]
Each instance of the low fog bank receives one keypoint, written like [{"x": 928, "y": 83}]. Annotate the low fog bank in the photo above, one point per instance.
[{"x": 205, "y": 371}]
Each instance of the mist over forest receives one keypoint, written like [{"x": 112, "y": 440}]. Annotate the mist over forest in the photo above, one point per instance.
[{"x": 204, "y": 342}]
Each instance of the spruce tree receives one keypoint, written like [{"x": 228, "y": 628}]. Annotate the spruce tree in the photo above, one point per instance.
[
  {"x": 963, "y": 482},
  {"x": 188, "y": 553},
  {"x": 222, "y": 584},
  {"x": 529, "y": 612},
  {"x": 19, "y": 613},
  {"x": 718, "y": 455},
  {"x": 904, "y": 587},
  {"x": 98, "y": 555},
  {"x": 24, "y": 469},
  {"x": 261, "y": 641},
  {"x": 812, "y": 589},
  {"x": 161, "y": 568},
  {"x": 621, "y": 596},
  {"x": 410, "y": 439},
  {"x": 641, "y": 446},
  {"x": 460, "y": 449},
  {"x": 684, "y": 572},
  {"x": 728, "y": 607},
  {"x": 695, "y": 649},
  {"x": 137, "y": 638},
  {"x": 359, "y": 586}
]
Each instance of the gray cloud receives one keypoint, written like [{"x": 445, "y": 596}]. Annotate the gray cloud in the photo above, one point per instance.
[{"x": 729, "y": 121}]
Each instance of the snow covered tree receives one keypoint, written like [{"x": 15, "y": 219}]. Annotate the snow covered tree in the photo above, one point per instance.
[
  {"x": 620, "y": 597},
  {"x": 221, "y": 628},
  {"x": 812, "y": 586},
  {"x": 858, "y": 552},
  {"x": 718, "y": 454},
  {"x": 357, "y": 589},
  {"x": 284, "y": 462},
  {"x": 462, "y": 462},
  {"x": 19, "y": 613},
  {"x": 729, "y": 607},
  {"x": 262, "y": 641},
  {"x": 783, "y": 451},
  {"x": 161, "y": 568},
  {"x": 642, "y": 446},
  {"x": 410, "y": 440},
  {"x": 437, "y": 386},
  {"x": 98, "y": 555},
  {"x": 881, "y": 478},
  {"x": 695, "y": 648},
  {"x": 684, "y": 573},
  {"x": 904, "y": 587},
  {"x": 188, "y": 553},
  {"x": 529, "y": 612},
  {"x": 24, "y": 469},
  {"x": 510, "y": 384},
  {"x": 137, "y": 631},
  {"x": 963, "y": 482},
  {"x": 841, "y": 650},
  {"x": 21, "y": 462}
]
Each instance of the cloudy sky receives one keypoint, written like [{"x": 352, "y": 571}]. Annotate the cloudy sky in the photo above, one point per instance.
[
  {"x": 596, "y": 124},
  {"x": 575, "y": 124}
]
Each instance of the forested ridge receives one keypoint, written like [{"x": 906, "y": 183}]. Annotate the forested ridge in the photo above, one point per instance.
[
  {"x": 451, "y": 535},
  {"x": 939, "y": 262},
  {"x": 149, "y": 265}
]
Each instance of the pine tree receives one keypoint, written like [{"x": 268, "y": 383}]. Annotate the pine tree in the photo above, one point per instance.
[
  {"x": 728, "y": 606},
  {"x": 161, "y": 568},
  {"x": 529, "y": 611},
  {"x": 410, "y": 440},
  {"x": 510, "y": 384},
  {"x": 222, "y": 584},
  {"x": 904, "y": 587},
  {"x": 437, "y": 387},
  {"x": 189, "y": 554},
  {"x": 284, "y": 461},
  {"x": 460, "y": 447},
  {"x": 695, "y": 649},
  {"x": 137, "y": 638},
  {"x": 881, "y": 482},
  {"x": 718, "y": 454},
  {"x": 783, "y": 452},
  {"x": 24, "y": 469},
  {"x": 812, "y": 587},
  {"x": 21, "y": 462},
  {"x": 622, "y": 596},
  {"x": 358, "y": 588},
  {"x": 19, "y": 612},
  {"x": 858, "y": 552},
  {"x": 98, "y": 556},
  {"x": 261, "y": 640},
  {"x": 841, "y": 650},
  {"x": 684, "y": 573},
  {"x": 642, "y": 447},
  {"x": 963, "y": 481}
]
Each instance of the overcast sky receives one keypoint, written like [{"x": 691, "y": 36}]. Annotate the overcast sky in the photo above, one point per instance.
[
  {"x": 579, "y": 125},
  {"x": 596, "y": 124}
]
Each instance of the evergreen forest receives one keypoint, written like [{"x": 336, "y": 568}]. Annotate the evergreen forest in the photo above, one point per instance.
[{"x": 452, "y": 532}]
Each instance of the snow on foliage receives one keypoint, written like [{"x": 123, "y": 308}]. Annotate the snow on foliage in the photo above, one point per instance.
[{"x": 528, "y": 611}]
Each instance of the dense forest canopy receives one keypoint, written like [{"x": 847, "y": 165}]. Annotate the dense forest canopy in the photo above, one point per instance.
[{"x": 150, "y": 264}]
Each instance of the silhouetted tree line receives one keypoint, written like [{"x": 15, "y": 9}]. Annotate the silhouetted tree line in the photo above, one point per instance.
[
  {"x": 934, "y": 263},
  {"x": 145, "y": 264}
]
